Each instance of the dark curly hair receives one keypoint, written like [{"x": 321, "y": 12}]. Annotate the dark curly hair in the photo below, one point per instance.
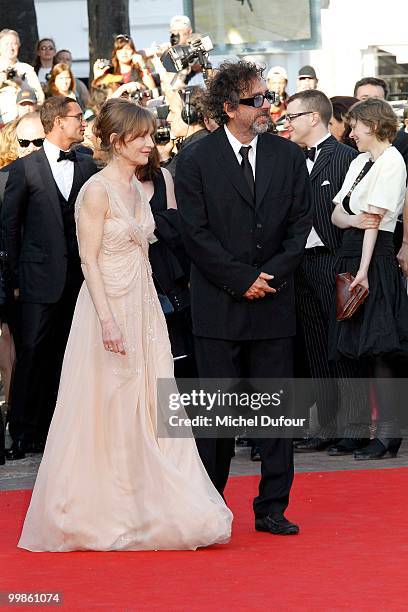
[{"x": 229, "y": 83}]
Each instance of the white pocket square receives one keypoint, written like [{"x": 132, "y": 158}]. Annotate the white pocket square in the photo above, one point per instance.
[{"x": 325, "y": 183}]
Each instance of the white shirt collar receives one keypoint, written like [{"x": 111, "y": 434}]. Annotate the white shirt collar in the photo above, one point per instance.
[
  {"x": 322, "y": 140},
  {"x": 51, "y": 150},
  {"x": 236, "y": 144}
]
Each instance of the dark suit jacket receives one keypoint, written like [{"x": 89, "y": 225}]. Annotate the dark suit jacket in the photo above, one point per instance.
[
  {"x": 401, "y": 143},
  {"x": 33, "y": 226},
  {"x": 231, "y": 239},
  {"x": 327, "y": 177}
]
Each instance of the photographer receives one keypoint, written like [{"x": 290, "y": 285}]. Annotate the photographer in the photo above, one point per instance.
[
  {"x": 126, "y": 61},
  {"x": 181, "y": 33},
  {"x": 181, "y": 64},
  {"x": 187, "y": 121},
  {"x": 13, "y": 75}
]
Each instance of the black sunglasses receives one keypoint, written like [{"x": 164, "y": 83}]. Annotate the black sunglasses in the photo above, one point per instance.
[
  {"x": 257, "y": 100},
  {"x": 124, "y": 36},
  {"x": 37, "y": 142}
]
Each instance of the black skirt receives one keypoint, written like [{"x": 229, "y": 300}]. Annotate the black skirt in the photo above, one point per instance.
[{"x": 380, "y": 325}]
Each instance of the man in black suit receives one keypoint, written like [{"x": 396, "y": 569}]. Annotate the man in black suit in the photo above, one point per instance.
[
  {"x": 40, "y": 236},
  {"x": 307, "y": 121},
  {"x": 244, "y": 201}
]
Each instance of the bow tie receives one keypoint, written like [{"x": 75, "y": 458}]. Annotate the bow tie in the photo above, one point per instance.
[
  {"x": 69, "y": 155},
  {"x": 310, "y": 153}
]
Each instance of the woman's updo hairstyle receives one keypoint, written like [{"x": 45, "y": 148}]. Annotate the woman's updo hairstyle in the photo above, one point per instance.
[
  {"x": 123, "y": 118},
  {"x": 376, "y": 114}
]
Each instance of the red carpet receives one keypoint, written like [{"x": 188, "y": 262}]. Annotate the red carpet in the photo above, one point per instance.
[{"x": 352, "y": 554}]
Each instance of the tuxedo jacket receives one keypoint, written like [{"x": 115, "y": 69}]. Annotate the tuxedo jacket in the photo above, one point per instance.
[
  {"x": 232, "y": 237},
  {"x": 327, "y": 177},
  {"x": 33, "y": 226}
]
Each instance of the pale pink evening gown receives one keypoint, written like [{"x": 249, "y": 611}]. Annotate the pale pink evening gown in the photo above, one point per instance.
[{"x": 106, "y": 482}]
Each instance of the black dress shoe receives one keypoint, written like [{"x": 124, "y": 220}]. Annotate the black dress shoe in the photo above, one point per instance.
[
  {"x": 255, "y": 454},
  {"x": 313, "y": 445},
  {"x": 347, "y": 446},
  {"x": 17, "y": 451},
  {"x": 377, "y": 450},
  {"x": 276, "y": 524}
]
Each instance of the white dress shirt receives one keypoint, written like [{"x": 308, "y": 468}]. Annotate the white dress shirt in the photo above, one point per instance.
[
  {"x": 313, "y": 240},
  {"x": 236, "y": 145},
  {"x": 62, "y": 171}
]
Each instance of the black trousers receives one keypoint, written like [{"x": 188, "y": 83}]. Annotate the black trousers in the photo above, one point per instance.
[
  {"x": 249, "y": 359},
  {"x": 42, "y": 335},
  {"x": 315, "y": 295}
]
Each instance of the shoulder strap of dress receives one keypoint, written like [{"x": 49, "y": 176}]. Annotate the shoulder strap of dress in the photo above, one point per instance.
[{"x": 94, "y": 178}]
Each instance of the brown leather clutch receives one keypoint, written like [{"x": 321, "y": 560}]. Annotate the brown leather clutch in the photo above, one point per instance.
[{"x": 348, "y": 301}]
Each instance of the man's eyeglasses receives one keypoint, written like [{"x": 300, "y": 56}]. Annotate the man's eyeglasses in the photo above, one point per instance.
[
  {"x": 258, "y": 100},
  {"x": 290, "y": 116},
  {"x": 80, "y": 117},
  {"x": 37, "y": 142}
]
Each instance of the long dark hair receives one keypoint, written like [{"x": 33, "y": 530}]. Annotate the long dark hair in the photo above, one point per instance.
[
  {"x": 37, "y": 61},
  {"x": 57, "y": 69},
  {"x": 121, "y": 41},
  {"x": 151, "y": 169}
]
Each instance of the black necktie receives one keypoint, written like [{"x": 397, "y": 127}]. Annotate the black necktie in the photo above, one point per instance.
[
  {"x": 247, "y": 169},
  {"x": 70, "y": 155}
]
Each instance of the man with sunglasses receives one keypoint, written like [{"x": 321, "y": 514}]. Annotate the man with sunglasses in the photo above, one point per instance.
[
  {"x": 40, "y": 236},
  {"x": 30, "y": 134},
  {"x": 244, "y": 201}
]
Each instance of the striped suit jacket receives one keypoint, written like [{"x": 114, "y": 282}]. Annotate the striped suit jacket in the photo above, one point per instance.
[{"x": 327, "y": 177}]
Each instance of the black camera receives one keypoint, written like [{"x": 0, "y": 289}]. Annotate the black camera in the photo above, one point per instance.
[
  {"x": 138, "y": 94},
  {"x": 163, "y": 131},
  {"x": 11, "y": 73},
  {"x": 162, "y": 135},
  {"x": 174, "y": 39},
  {"x": 179, "y": 57}
]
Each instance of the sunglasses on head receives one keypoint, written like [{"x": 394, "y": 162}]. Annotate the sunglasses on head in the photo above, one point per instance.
[
  {"x": 37, "y": 142},
  {"x": 258, "y": 100},
  {"x": 123, "y": 37}
]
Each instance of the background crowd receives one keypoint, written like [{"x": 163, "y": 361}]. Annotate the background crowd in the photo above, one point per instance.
[{"x": 322, "y": 127}]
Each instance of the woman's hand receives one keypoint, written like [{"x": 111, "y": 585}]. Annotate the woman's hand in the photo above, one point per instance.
[
  {"x": 360, "y": 279},
  {"x": 403, "y": 259},
  {"x": 365, "y": 221},
  {"x": 112, "y": 337},
  {"x": 126, "y": 88}
]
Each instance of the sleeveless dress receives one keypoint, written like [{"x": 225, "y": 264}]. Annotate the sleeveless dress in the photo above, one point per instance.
[{"x": 106, "y": 481}]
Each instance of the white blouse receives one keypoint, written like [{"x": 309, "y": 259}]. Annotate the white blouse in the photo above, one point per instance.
[{"x": 384, "y": 186}]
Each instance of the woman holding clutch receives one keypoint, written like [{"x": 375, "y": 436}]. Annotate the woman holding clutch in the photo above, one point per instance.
[{"x": 367, "y": 207}]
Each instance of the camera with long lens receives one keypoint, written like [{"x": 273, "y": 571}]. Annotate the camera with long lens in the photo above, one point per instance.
[
  {"x": 163, "y": 131},
  {"x": 179, "y": 57}
]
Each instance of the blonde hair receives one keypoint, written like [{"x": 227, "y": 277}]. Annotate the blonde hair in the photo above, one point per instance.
[
  {"x": 8, "y": 143},
  {"x": 123, "y": 118},
  {"x": 6, "y": 32}
]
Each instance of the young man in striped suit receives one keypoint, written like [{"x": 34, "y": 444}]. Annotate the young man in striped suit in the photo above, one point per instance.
[{"x": 307, "y": 120}]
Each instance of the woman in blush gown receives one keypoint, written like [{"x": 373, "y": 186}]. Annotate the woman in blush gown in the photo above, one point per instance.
[{"x": 106, "y": 481}]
